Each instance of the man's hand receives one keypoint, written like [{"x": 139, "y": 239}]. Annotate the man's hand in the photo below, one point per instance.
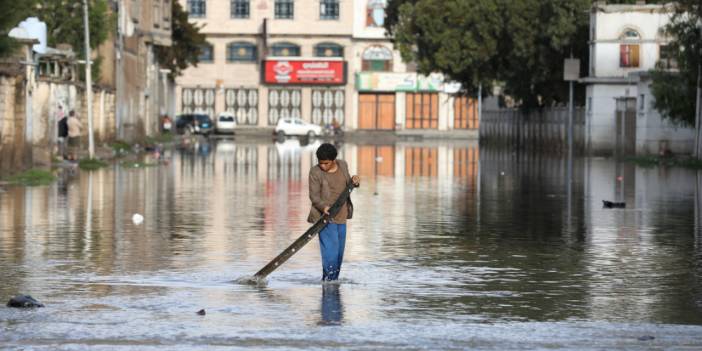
[
  {"x": 356, "y": 180},
  {"x": 326, "y": 210}
]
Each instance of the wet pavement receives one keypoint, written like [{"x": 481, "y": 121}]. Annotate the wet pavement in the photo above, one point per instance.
[{"x": 451, "y": 247}]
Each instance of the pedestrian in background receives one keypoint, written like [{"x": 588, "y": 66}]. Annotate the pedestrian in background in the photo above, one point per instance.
[
  {"x": 62, "y": 131},
  {"x": 74, "y": 132},
  {"x": 328, "y": 179}
]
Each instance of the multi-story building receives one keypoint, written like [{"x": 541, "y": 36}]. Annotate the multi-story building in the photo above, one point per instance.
[
  {"x": 271, "y": 59},
  {"x": 142, "y": 87},
  {"x": 322, "y": 60},
  {"x": 626, "y": 41}
]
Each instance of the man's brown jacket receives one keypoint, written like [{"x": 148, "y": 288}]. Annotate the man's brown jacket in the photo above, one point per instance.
[{"x": 320, "y": 192}]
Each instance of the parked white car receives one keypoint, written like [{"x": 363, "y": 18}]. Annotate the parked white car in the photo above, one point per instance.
[
  {"x": 225, "y": 123},
  {"x": 296, "y": 126}
]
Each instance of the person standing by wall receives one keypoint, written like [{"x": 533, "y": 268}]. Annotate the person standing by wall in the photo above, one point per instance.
[
  {"x": 74, "y": 132},
  {"x": 62, "y": 131},
  {"x": 327, "y": 180}
]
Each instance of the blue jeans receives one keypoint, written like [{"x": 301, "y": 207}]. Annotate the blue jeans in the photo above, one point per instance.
[{"x": 332, "y": 240}]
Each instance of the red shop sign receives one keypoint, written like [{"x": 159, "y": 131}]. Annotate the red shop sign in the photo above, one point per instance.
[{"x": 304, "y": 72}]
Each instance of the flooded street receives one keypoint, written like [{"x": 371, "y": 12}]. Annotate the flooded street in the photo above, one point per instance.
[{"x": 451, "y": 247}]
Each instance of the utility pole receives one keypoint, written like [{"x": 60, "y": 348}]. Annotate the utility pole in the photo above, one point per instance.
[
  {"x": 698, "y": 110},
  {"x": 88, "y": 82}
]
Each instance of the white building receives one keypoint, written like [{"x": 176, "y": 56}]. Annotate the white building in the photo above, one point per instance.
[{"x": 625, "y": 42}]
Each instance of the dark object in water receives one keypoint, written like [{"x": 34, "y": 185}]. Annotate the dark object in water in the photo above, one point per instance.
[
  {"x": 24, "y": 301},
  {"x": 202, "y": 312},
  {"x": 646, "y": 338},
  {"x": 610, "y": 204}
]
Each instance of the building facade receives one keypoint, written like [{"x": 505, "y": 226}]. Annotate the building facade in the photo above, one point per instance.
[
  {"x": 625, "y": 42},
  {"x": 321, "y": 60},
  {"x": 142, "y": 87}
]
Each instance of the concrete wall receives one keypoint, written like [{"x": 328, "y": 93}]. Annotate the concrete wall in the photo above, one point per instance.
[
  {"x": 12, "y": 104},
  {"x": 654, "y": 134},
  {"x": 21, "y": 147},
  {"x": 601, "y": 115}
]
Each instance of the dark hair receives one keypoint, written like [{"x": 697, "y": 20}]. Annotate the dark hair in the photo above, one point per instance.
[
  {"x": 72, "y": 113},
  {"x": 326, "y": 151}
]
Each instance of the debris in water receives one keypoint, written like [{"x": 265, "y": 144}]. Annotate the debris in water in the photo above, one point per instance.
[
  {"x": 24, "y": 301},
  {"x": 646, "y": 338},
  {"x": 202, "y": 312},
  {"x": 610, "y": 204},
  {"x": 137, "y": 218}
]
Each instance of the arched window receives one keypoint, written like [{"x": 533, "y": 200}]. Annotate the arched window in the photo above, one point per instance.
[
  {"x": 206, "y": 53},
  {"x": 328, "y": 50},
  {"x": 629, "y": 48},
  {"x": 377, "y": 58},
  {"x": 285, "y": 49},
  {"x": 241, "y": 51}
]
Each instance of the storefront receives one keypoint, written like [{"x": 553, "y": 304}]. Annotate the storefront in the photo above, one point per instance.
[{"x": 302, "y": 87}]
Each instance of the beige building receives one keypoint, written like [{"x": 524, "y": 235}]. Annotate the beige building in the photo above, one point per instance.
[
  {"x": 321, "y": 60},
  {"x": 270, "y": 59},
  {"x": 142, "y": 87}
]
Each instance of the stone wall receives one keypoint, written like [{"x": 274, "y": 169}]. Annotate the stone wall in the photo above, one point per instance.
[{"x": 21, "y": 148}]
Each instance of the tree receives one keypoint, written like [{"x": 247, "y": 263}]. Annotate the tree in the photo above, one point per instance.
[
  {"x": 520, "y": 43},
  {"x": 676, "y": 91},
  {"x": 64, "y": 24},
  {"x": 13, "y": 13},
  {"x": 186, "y": 43}
]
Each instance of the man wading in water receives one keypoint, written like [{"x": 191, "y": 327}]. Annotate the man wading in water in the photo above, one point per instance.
[{"x": 328, "y": 180}]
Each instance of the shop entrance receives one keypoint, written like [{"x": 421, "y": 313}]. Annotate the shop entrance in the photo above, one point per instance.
[{"x": 376, "y": 111}]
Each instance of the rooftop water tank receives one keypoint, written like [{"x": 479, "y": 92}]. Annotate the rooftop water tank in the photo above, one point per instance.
[{"x": 36, "y": 29}]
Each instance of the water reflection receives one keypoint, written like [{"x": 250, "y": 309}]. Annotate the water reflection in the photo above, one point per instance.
[
  {"x": 447, "y": 239},
  {"x": 332, "y": 310}
]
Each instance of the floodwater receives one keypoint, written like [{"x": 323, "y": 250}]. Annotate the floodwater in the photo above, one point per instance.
[{"x": 451, "y": 248}]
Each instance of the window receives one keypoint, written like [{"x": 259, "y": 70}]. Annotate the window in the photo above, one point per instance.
[
  {"x": 285, "y": 49},
  {"x": 156, "y": 15},
  {"x": 328, "y": 106},
  {"x": 243, "y": 103},
  {"x": 206, "y": 53},
  {"x": 667, "y": 57},
  {"x": 629, "y": 49},
  {"x": 197, "y": 8},
  {"x": 284, "y": 103},
  {"x": 329, "y": 9},
  {"x": 629, "y": 56},
  {"x": 329, "y": 50},
  {"x": 375, "y": 13},
  {"x": 241, "y": 51},
  {"x": 377, "y": 58},
  {"x": 642, "y": 103},
  {"x": 284, "y": 9},
  {"x": 240, "y": 8}
]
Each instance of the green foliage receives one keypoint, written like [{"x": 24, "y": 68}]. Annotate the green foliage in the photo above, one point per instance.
[
  {"x": 121, "y": 146},
  {"x": 64, "y": 23},
  {"x": 91, "y": 164},
  {"x": 33, "y": 177},
  {"x": 666, "y": 161},
  {"x": 187, "y": 41},
  {"x": 521, "y": 43},
  {"x": 13, "y": 12},
  {"x": 676, "y": 92}
]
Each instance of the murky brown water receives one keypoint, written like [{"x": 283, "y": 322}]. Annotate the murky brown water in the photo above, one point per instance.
[{"x": 450, "y": 248}]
